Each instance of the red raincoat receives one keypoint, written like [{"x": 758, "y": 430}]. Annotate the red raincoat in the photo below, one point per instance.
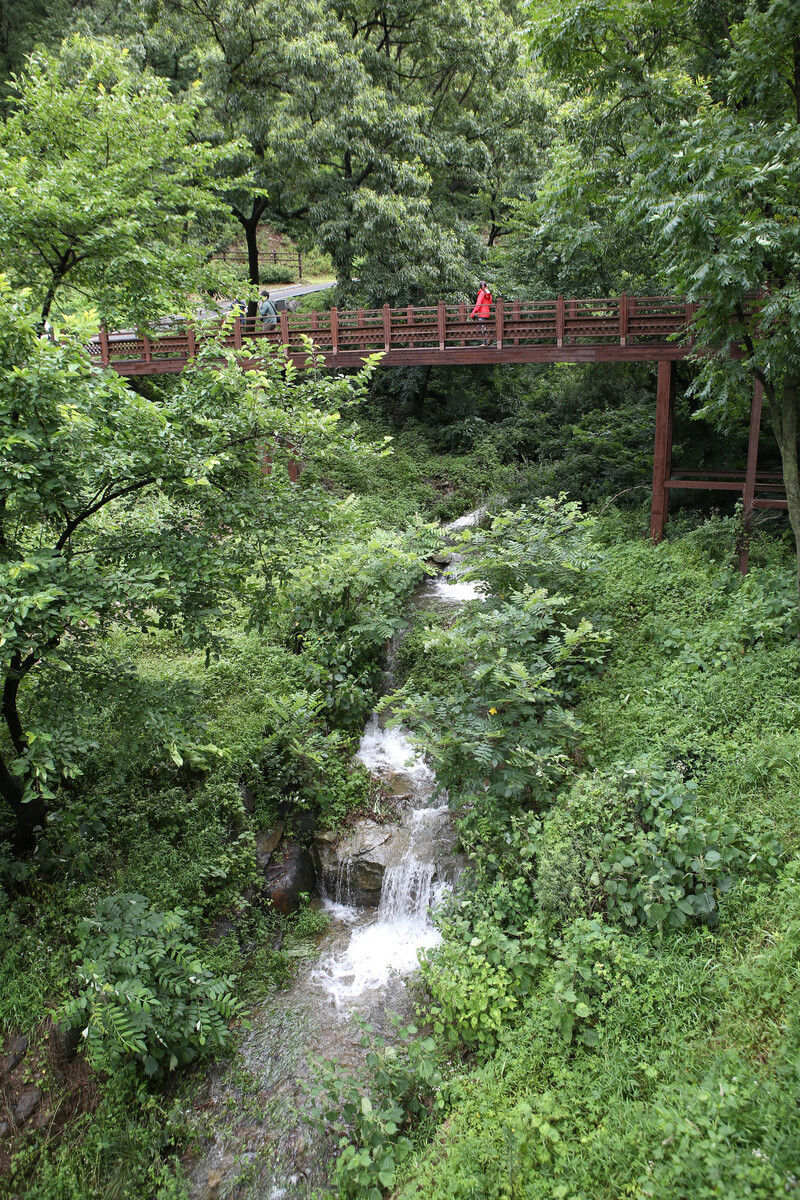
[{"x": 483, "y": 304}]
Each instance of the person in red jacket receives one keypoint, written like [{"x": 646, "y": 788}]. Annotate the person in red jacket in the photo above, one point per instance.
[{"x": 483, "y": 307}]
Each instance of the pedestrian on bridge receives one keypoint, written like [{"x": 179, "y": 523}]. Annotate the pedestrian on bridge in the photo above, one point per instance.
[
  {"x": 268, "y": 312},
  {"x": 483, "y": 309}
]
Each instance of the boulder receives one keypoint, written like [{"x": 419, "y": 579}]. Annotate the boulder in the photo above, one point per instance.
[
  {"x": 350, "y": 866},
  {"x": 266, "y": 842},
  {"x": 64, "y": 1042},
  {"x": 13, "y": 1054},
  {"x": 291, "y": 875},
  {"x": 29, "y": 1100}
]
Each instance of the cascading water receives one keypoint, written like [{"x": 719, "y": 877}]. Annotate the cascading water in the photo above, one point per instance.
[
  {"x": 279, "y": 1154},
  {"x": 387, "y": 943}
]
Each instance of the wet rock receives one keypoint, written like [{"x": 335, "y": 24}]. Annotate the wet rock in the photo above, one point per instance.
[
  {"x": 303, "y": 823},
  {"x": 441, "y": 558},
  {"x": 14, "y": 1053},
  {"x": 221, "y": 927},
  {"x": 292, "y": 875},
  {"x": 5, "y": 1129},
  {"x": 351, "y": 867},
  {"x": 26, "y": 1106},
  {"x": 266, "y": 842},
  {"x": 209, "y": 1189},
  {"x": 65, "y": 1042},
  {"x": 247, "y": 797}
]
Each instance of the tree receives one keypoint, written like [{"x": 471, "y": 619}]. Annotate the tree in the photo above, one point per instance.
[
  {"x": 703, "y": 105},
  {"x": 103, "y": 185},
  {"x": 121, "y": 512},
  {"x": 383, "y": 132}
]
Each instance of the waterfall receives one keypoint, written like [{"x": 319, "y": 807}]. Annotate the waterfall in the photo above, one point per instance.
[{"x": 386, "y": 942}]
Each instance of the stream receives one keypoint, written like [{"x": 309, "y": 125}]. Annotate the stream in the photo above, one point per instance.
[{"x": 260, "y": 1143}]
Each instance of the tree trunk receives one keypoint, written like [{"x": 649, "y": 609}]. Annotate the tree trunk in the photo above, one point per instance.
[
  {"x": 29, "y": 814},
  {"x": 783, "y": 410}
]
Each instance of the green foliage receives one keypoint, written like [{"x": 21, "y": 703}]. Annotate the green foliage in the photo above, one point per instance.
[
  {"x": 105, "y": 494},
  {"x": 498, "y": 736},
  {"x": 547, "y": 545},
  {"x": 311, "y": 762},
  {"x": 126, "y": 1147},
  {"x": 343, "y": 608},
  {"x": 146, "y": 997},
  {"x": 379, "y": 1126},
  {"x": 88, "y": 206}
]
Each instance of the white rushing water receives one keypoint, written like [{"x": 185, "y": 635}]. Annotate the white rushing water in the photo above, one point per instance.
[{"x": 385, "y": 942}]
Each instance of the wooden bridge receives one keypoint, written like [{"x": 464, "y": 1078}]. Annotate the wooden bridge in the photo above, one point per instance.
[
  {"x": 618, "y": 329},
  {"x": 622, "y": 329}
]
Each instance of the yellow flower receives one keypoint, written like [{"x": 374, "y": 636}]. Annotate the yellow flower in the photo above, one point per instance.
[{"x": 493, "y": 711}]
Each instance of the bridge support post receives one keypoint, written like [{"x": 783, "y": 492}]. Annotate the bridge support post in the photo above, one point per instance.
[
  {"x": 748, "y": 492},
  {"x": 662, "y": 456}
]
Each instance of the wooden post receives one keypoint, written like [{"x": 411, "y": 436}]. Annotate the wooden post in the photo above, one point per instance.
[
  {"x": 462, "y": 316},
  {"x": 360, "y": 317},
  {"x": 387, "y": 327},
  {"x": 266, "y": 459},
  {"x": 294, "y": 470},
  {"x": 300, "y": 265},
  {"x": 410, "y": 321},
  {"x": 515, "y": 317},
  {"x": 662, "y": 456},
  {"x": 148, "y": 348},
  {"x": 572, "y": 313},
  {"x": 560, "y": 321},
  {"x": 191, "y": 341},
  {"x": 442, "y": 324},
  {"x": 623, "y": 319},
  {"x": 498, "y": 322},
  {"x": 334, "y": 330},
  {"x": 285, "y": 328},
  {"x": 237, "y": 331},
  {"x": 104, "y": 357},
  {"x": 749, "y": 489}
]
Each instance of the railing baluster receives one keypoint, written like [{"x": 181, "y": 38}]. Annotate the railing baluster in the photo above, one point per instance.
[
  {"x": 515, "y": 318},
  {"x": 387, "y": 327},
  {"x": 442, "y": 324},
  {"x": 410, "y": 321},
  {"x": 623, "y": 319},
  {"x": 334, "y": 330},
  {"x": 148, "y": 349},
  {"x": 285, "y": 328},
  {"x": 237, "y": 331},
  {"x": 498, "y": 322},
  {"x": 560, "y": 321},
  {"x": 104, "y": 356},
  {"x": 191, "y": 341},
  {"x": 462, "y": 316}
]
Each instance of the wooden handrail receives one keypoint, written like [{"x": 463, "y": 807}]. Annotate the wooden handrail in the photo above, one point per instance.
[{"x": 624, "y": 327}]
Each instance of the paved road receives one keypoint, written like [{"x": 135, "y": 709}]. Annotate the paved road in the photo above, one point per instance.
[{"x": 299, "y": 289}]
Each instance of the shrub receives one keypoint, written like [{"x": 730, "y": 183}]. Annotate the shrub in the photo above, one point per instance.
[
  {"x": 146, "y": 998},
  {"x": 380, "y": 1126}
]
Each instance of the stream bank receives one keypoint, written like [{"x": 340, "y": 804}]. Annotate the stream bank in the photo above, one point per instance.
[{"x": 377, "y": 884}]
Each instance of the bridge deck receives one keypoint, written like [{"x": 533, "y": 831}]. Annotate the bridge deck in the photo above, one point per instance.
[
  {"x": 620, "y": 329},
  {"x": 623, "y": 329}
]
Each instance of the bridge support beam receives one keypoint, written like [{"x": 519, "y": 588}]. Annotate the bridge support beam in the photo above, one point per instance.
[{"x": 662, "y": 457}]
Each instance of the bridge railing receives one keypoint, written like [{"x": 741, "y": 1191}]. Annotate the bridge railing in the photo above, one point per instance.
[{"x": 621, "y": 320}]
